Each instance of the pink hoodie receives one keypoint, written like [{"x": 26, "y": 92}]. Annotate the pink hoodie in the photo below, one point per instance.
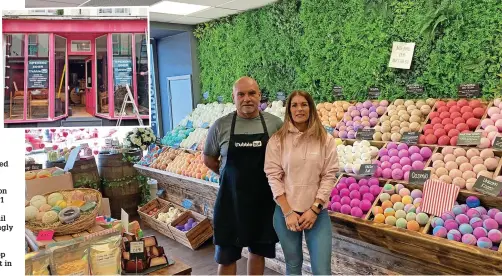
[{"x": 304, "y": 170}]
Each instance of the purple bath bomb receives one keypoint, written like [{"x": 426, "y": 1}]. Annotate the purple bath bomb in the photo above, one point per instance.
[
  {"x": 492, "y": 212},
  {"x": 414, "y": 149},
  {"x": 365, "y": 112},
  {"x": 439, "y": 231},
  {"x": 448, "y": 215},
  {"x": 426, "y": 152},
  {"x": 345, "y": 200},
  {"x": 354, "y": 187},
  {"x": 402, "y": 146},
  {"x": 436, "y": 221},
  {"x": 416, "y": 157},
  {"x": 334, "y": 192},
  {"x": 495, "y": 235},
  {"x": 342, "y": 134},
  {"x": 406, "y": 168},
  {"x": 397, "y": 174},
  {"x": 416, "y": 193},
  {"x": 373, "y": 109},
  {"x": 373, "y": 121},
  {"x": 356, "y": 212},
  {"x": 465, "y": 229},
  {"x": 396, "y": 166},
  {"x": 393, "y": 152},
  {"x": 403, "y": 153},
  {"x": 180, "y": 227},
  {"x": 469, "y": 239},
  {"x": 392, "y": 145},
  {"x": 387, "y": 173},
  {"x": 345, "y": 209},
  {"x": 498, "y": 218},
  {"x": 399, "y": 187},
  {"x": 476, "y": 222},
  {"x": 418, "y": 165},
  {"x": 367, "y": 104},
  {"x": 336, "y": 206},
  {"x": 355, "y": 195},
  {"x": 355, "y": 202},
  {"x": 480, "y": 232},
  {"x": 365, "y": 205},
  {"x": 374, "y": 114},
  {"x": 471, "y": 213},
  {"x": 344, "y": 192},
  {"x": 363, "y": 182},
  {"x": 472, "y": 202},
  {"x": 342, "y": 180},
  {"x": 457, "y": 210},
  {"x": 351, "y": 180},
  {"x": 405, "y": 161},
  {"x": 386, "y": 165},
  {"x": 375, "y": 190},
  {"x": 383, "y": 152},
  {"x": 364, "y": 190},
  {"x": 190, "y": 220},
  {"x": 351, "y": 134},
  {"x": 385, "y": 158},
  {"x": 188, "y": 226},
  {"x": 369, "y": 197},
  {"x": 336, "y": 198},
  {"x": 454, "y": 235},
  {"x": 394, "y": 159},
  {"x": 417, "y": 200},
  {"x": 490, "y": 224},
  {"x": 482, "y": 210},
  {"x": 373, "y": 182},
  {"x": 406, "y": 175},
  {"x": 194, "y": 224},
  {"x": 378, "y": 172},
  {"x": 450, "y": 224},
  {"x": 418, "y": 210},
  {"x": 462, "y": 219},
  {"x": 484, "y": 242}
]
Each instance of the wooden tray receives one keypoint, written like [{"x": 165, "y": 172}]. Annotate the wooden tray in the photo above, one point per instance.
[{"x": 194, "y": 238}]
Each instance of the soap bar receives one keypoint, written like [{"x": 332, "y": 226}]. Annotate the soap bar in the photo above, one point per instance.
[
  {"x": 88, "y": 206},
  {"x": 155, "y": 251},
  {"x": 150, "y": 241},
  {"x": 133, "y": 266},
  {"x": 77, "y": 203},
  {"x": 158, "y": 261},
  {"x": 69, "y": 215}
]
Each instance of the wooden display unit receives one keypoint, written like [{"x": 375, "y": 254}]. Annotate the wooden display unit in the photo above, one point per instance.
[
  {"x": 196, "y": 236},
  {"x": 152, "y": 220}
]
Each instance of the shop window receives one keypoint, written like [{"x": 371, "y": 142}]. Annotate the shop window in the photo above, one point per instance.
[
  {"x": 14, "y": 76},
  {"x": 60, "y": 76},
  {"x": 141, "y": 47},
  {"x": 80, "y": 45},
  {"x": 122, "y": 72},
  {"x": 38, "y": 76},
  {"x": 102, "y": 74}
]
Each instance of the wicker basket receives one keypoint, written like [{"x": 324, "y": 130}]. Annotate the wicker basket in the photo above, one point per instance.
[{"x": 84, "y": 222}]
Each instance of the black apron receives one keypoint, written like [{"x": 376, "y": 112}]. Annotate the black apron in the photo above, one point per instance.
[{"x": 244, "y": 208}]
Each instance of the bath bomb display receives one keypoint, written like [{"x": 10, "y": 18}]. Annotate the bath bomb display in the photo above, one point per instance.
[
  {"x": 476, "y": 222},
  {"x": 332, "y": 113},
  {"x": 396, "y": 167},
  {"x": 440, "y": 231},
  {"x": 498, "y": 218},
  {"x": 469, "y": 239},
  {"x": 37, "y": 201},
  {"x": 30, "y": 213},
  {"x": 437, "y": 221},
  {"x": 358, "y": 116},
  {"x": 390, "y": 220},
  {"x": 484, "y": 242},
  {"x": 402, "y": 116},
  {"x": 355, "y": 197},
  {"x": 450, "y": 224},
  {"x": 448, "y": 120},
  {"x": 490, "y": 224},
  {"x": 413, "y": 225},
  {"x": 465, "y": 229},
  {"x": 352, "y": 156},
  {"x": 454, "y": 235},
  {"x": 491, "y": 126},
  {"x": 480, "y": 232}
]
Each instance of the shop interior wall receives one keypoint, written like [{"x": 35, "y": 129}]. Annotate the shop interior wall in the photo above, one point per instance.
[{"x": 316, "y": 44}]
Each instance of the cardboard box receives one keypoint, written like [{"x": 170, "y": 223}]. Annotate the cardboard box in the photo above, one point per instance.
[
  {"x": 40, "y": 186},
  {"x": 105, "y": 208}
]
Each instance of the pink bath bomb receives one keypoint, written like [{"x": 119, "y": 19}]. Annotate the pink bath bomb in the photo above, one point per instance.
[
  {"x": 450, "y": 224},
  {"x": 405, "y": 161},
  {"x": 375, "y": 190},
  {"x": 417, "y": 157},
  {"x": 336, "y": 198},
  {"x": 406, "y": 168},
  {"x": 335, "y": 207},
  {"x": 476, "y": 222},
  {"x": 469, "y": 239},
  {"x": 355, "y": 202},
  {"x": 355, "y": 195},
  {"x": 487, "y": 122},
  {"x": 385, "y": 158},
  {"x": 393, "y": 152},
  {"x": 378, "y": 172},
  {"x": 334, "y": 192},
  {"x": 490, "y": 224},
  {"x": 492, "y": 212},
  {"x": 345, "y": 200},
  {"x": 396, "y": 166},
  {"x": 480, "y": 232},
  {"x": 342, "y": 185},
  {"x": 365, "y": 205},
  {"x": 387, "y": 173},
  {"x": 344, "y": 192},
  {"x": 414, "y": 149},
  {"x": 345, "y": 209},
  {"x": 471, "y": 213},
  {"x": 418, "y": 165},
  {"x": 426, "y": 152},
  {"x": 392, "y": 145},
  {"x": 373, "y": 182},
  {"x": 495, "y": 235},
  {"x": 369, "y": 197},
  {"x": 386, "y": 165},
  {"x": 403, "y": 153},
  {"x": 383, "y": 152},
  {"x": 364, "y": 189},
  {"x": 354, "y": 187},
  {"x": 356, "y": 212},
  {"x": 462, "y": 219},
  {"x": 363, "y": 182},
  {"x": 397, "y": 174},
  {"x": 406, "y": 175},
  {"x": 395, "y": 160},
  {"x": 351, "y": 180}
]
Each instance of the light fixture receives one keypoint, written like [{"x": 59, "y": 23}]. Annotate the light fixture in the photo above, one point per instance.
[{"x": 176, "y": 8}]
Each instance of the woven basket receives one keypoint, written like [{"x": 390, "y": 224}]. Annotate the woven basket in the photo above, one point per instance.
[{"x": 84, "y": 222}]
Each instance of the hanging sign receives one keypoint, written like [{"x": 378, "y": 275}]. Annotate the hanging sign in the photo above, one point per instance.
[
  {"x": 367, "y": 169},
  {"x": 415, "y": 89},
  {"x": 38, "y": 73},
  {"x": 410, "y": 138},
  {"x": 365, "y": 134},
  {"x": 402, "y": 55},
  {"x": 469, "y": 139},
  {"x": 419, "y": 176}
]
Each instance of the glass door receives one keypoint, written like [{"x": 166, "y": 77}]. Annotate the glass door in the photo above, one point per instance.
[
  {"x": 61, "y": 86},
  {"x": 89, "y": 95}
]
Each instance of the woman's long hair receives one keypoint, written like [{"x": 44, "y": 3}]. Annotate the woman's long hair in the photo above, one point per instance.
[{"x": 315, "y": 128}]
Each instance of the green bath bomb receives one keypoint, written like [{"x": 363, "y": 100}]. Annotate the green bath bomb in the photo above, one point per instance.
[
  {"x": 422, "y": 219},
  {"x": 401, "y": 223},
  {"x": 53, "y": 198},
  {"x": 390, "y": 220},
  {"x": 30, "y": 213},
  {"x": 411, "y": 216}
]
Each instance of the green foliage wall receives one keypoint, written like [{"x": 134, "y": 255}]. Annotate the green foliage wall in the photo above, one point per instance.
[{"x": 315, "y": 44}]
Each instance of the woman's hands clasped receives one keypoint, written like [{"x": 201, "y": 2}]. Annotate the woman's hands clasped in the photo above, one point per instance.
[
  {"x": 293, "y": 222},
  {"x": 297, "y": 223}
]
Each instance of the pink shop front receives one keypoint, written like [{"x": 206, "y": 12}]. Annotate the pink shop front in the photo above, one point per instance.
[{"x": 59, "y": 71}]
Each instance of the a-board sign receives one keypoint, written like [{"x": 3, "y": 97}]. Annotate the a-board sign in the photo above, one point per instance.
[
  {"x": 337, "y": 92},
  {"x": 365, "y": 134},
  {"x": 414, "y": 89},
  {"x": 402, "y": 55},
  {"x": 410, "y": 138},
  {"x": 469, "y": 139},
  {"x": 32, "y": 167},
  {"x": 469, "y": 90},
  {"x": 281, "y": 96},
  {"x": 419, "y": 176},
  {"x": 497, "y": 144},
  {"x": 488, "y": 186},
  {"x": 367, "y": 169},
  {"x": 373, "y": 93}
]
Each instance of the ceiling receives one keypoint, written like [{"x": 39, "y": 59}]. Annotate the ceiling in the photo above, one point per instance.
[{"x": 217, "y": 8}]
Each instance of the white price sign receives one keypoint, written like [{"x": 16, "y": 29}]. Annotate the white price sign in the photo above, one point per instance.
[{"x": 402, "y": 55}]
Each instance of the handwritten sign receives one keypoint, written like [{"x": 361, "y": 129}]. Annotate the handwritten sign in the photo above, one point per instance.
[
  {"x": 414, "y": 89},
  {"x": 402, "y": 55},
  {"x": 45, "y": 235},
  {"x": 469, "y": 90},
  {"x": 32, "y": 167},
  {"x": 373, "y": 93},
  {"x": 497, "y": 144},
  {"x": 137, "y": 247},
  {"x": 365, "y": 134},
  {"x": 122, "y": 71},
  {"x": 488, "y": 186},
  {"x": 419, "y": 176},
  {"x": 281, "y": 96},
  {"x": 469, "y": 139},
  {"x": 410, "y": 138},
  {"x": 337, "y": 92},
  {"x": 367, "y": 169}
]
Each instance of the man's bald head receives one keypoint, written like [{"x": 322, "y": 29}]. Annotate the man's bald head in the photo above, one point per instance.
[{"x": 247, "y": 96}]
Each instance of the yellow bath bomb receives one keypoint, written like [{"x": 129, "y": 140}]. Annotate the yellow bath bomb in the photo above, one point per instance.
[
  {"x": 61, "y": 204},
  {"x": 50, "y": 217},
  {"x": 407, "y": 200},
  {"x": 38, "y": 201},
  {"x": 40, "y": 215},
  {"x": 30, "y": 213},
  {"x": 44, "y": 208},
  {"x": 54, "y": 198}
]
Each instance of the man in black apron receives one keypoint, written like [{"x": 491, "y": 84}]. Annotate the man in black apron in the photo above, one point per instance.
[{"x": 244, "y": 208}]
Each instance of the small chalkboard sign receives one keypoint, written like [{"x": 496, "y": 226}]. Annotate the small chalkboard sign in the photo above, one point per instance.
[
  {"x": 281, "y": 96},
  {"x": 488, "y": 186},
  {"x": 220, "y": 99},
  {"x": 497, "y": 144},
  {"x": 414, "y": 89},
  {"x": 32, "y": 167},
  {"x": 367, "y": 169},
  {"x": 373, "y": 93},
  {"x": 419, "y": 176},
  {"x": 337, "y": 92},
  {"x": 365, "y": 134},
  {"x": 194, "y": 146},
  {"x": 410, "y": 138},
  {"x": 158, "y": 141},
  {"x": 160, "y": 193},
  {"x": 469, "y": 139},
  {"x": 469, "y": 90}
]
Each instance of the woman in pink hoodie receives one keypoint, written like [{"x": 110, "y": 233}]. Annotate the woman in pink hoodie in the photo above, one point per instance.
[{"x": 301, "y": 163}]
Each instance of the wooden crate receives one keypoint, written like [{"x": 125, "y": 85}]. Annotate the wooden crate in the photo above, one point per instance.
[
  {"x": 145, "y": 209},
  {"x": 152, "y": 221},
  {"x": 194, "y": 238}
]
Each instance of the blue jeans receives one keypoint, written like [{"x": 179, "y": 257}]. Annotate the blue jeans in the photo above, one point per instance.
[{"x": 318, "y": 242}]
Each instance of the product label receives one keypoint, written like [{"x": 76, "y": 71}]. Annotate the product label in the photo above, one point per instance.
[
  {"x": 365, "y": 134},
  {"x": 469, "y": 139},
  {"x": 488, "y": 186},
  {"x": 105, "y": 261},
  {"x": 32, "y": 167},
  {"x": 410, "y": 138},
  {"x": 419, "y": 176},
  {"x": 367, "y": 169},
  {"x": 469, "y": 90},
  {"x": 45, "y": 235},
  {"x": 373, "y": 93},
  {"x": 497, "y": 144},
  {"x": 337, "y": 92},
  {"x": 137, "y": 247}
]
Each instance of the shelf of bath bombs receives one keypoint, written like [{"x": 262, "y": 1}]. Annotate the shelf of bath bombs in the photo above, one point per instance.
[{"x": 411, "y": 236}]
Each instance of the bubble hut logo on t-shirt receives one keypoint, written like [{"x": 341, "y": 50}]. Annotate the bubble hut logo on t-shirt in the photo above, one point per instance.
[{"x": 255, "y": 144}]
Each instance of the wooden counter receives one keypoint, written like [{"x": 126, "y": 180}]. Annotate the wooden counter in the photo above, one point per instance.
[
  {"x": 178, "y": 268},
  {"x": 359, "y": 246}
]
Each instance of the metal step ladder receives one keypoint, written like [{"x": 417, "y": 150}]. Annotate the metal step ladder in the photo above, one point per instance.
[{"x": 129, "y": 99}]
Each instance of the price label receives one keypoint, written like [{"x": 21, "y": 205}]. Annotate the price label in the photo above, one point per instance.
[
  {"x": 497, "y": 144},
  {"x": 32, "y": 167},
  {"x": 158, "y": 141},
  {"x": 469, "y": 139},
  {"x": 337, "y": 92},
  {"x": 419, "y": 176},
  {"x": 414, "y": 89},
  {"x": 488, "y": 186},
  {"x": 365, "y": 134},
  {"x": 368, "y": 169},
  {"x": 220, "y": 99},
  {"x": 410, "y": 138},
  {"x": 373, "y": 93},
  {"x": 469, "y": 90},
  {"x": 281, "y": 96},
  {"x": 137, "y": 249},
  {"x": 45, "y": 235}
]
